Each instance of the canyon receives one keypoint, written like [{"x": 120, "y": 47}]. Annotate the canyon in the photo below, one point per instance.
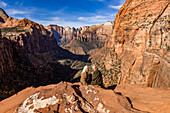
[
  {"x": 83, "y": 39},
  {"x": 30, "y": 56},
  {"x": 133, "y": 55}
]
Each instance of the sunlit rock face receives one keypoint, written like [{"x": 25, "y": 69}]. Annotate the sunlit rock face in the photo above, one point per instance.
[
  {"x": 3, "y": 17},
  {"x": 75, "y": 98},
  {"x": 29, "y": 56},
  {"x": 83, "y": 39},
  {"x": 31, "y": 36},
  {"x": 141, "y": 38}
]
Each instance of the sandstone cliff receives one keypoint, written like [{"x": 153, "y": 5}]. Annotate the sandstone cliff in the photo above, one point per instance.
[
  {"x": 3, "y": 17},
  {"x": 141, "y": 39},
  {"x": 82, "y": 40},
  {"x": 30, "y": 56},
  {"x": 75, "y": 98},
  {"x": 6, "y": 53}
]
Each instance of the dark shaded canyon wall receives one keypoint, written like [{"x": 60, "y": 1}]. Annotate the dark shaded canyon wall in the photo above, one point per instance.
[
  {"x": 29, "y": 56},
  {"x": 6, "y": 52}
]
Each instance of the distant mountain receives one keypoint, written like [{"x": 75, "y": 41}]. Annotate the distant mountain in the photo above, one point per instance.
[{"x": 83, "y": 39}]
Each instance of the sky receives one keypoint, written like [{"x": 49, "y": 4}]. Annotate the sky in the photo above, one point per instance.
[{"x": 72, "y": 13}]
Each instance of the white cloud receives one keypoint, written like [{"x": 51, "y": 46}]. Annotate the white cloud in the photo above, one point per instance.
[
  {"x": 63, "y": 23},
  {"x": 121, "y": 2},
  {"x": 3, "y": 4},
  {"x": 98, "y": 0},
  {"x": 97, "y": 18},
  {"x": 14, "y": 12},
  {"x": 55, "y": 18},
  {"x": 116, "y": 7},
  {"x": 79, "y": 23}
]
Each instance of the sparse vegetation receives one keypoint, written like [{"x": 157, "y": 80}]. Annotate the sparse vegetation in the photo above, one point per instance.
[
  {"x": 111, "y": 75},
  {"x": 154, "y": 21},
  {"x": 12, "y": 29},
  {"x": 149, "y": 15},
  {"x": 168, "y": 48}
]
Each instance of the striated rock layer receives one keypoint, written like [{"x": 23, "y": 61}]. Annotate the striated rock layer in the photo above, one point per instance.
[
  {"x": 82, "y": 40},
  {"x": 6, "y": 58},
  {"x": 141, "y": 39},
  {"x": 75, "y": 98},
  {"x": 30, "y": 56}
]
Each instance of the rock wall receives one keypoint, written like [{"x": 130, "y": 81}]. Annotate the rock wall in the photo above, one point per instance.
[
  {"x": 3, "y": 17},
  {"x": 141, "y": 38},
  {"x": 6, "y": 53},
  {"x": 30, "y": 36},
  {"x": 29, "y": 56},
  {"x": 83, "y": 39}
]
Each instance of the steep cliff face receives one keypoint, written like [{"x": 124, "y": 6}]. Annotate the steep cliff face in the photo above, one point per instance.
[
  {"x": 141, "y": 38},
  {"x": 29, "y": 56},
  {"x": 6, "y": 53},
  {"x": 63, "y": 34},
  {"x": 31, "y": 36},
  {"x": 3, "y": 17},
  {"x": 82, "y": 40}
]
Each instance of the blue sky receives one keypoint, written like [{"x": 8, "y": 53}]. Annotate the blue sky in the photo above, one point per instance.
[{"x": 73, "y": 13}]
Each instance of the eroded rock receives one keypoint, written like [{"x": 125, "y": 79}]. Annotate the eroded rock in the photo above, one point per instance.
[{"x": 66, "y": 97}]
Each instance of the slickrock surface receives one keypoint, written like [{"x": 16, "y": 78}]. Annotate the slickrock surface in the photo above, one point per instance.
[
  {"x": 72, "y": 98},
  {"x": 155, "y": 100}
]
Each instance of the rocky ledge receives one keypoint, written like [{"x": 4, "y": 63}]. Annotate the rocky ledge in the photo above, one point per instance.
[{"x": 70, "y": 98}]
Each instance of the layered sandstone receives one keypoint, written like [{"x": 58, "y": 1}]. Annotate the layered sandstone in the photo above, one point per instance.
[
  {"x": 75, "y": 98},
  {"x": 30, "y": 57},
  {"x": 3, "y": 17},
  {"x": 82, "y": 40},
  {"x": 63, "y": 34},
  {"x": 141, "y": 39},
  {"x": 6, "y": 53}
]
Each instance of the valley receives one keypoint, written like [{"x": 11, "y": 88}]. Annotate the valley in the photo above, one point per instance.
[{"x": 41, "y": 65}]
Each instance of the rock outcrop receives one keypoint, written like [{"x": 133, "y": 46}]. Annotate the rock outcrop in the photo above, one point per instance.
[
  {"x": 30, "y": 57},
  {"x": 72, "y": 98},
  {"x": 6, "y": 56},
  {"x": 141, "y": 39},
  {"x": 152, "y": 100},
  {"x": 82, "y": 40},
  {"x": 3, "y": 17}
]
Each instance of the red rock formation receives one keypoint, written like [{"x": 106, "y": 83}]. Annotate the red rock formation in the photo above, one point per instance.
[
  {"x": 152, "y": 100},
  {"x": 3, "y": 17},
  {"x": 73, "y": 98},
  {"x": 63, "y": 34},
  {"x": 96, "y": 34},
  {"x": 6, "y": 53},
  {"x": 28, "y": 34},
  {"x": 140, "y": 37},
  {"x": 29, "y": 57}
]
